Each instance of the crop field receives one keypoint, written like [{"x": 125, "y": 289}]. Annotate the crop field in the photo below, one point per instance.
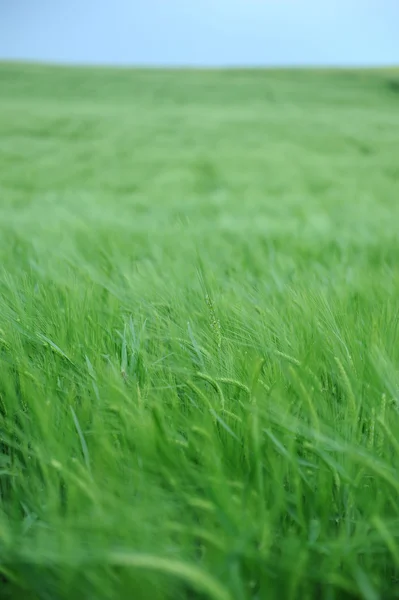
[{"x": 199, "y": 350}]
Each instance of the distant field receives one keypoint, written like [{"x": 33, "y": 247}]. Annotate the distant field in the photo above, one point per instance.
[{"x": 199, "y": 308}]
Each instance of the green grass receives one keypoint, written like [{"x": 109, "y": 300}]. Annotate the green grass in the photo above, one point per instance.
[{"x": 199, "y": 307}]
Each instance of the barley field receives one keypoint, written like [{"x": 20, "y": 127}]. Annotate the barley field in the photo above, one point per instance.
[{"x": 199, "y": 308}]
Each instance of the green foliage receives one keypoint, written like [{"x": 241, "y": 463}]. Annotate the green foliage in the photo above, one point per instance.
[{"x": 199, "y": 334}]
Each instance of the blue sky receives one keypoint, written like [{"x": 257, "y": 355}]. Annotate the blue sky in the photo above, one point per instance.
[{"x": 201, "y": 32}]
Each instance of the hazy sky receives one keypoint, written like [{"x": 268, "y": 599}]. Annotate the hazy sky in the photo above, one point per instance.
[{"x": 201, "y": 32}]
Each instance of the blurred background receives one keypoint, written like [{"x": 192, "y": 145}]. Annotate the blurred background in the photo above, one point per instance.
[{"x": 201, "y": 32}]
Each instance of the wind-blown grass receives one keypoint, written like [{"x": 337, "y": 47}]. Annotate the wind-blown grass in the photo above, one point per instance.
[{"x": 199, "y": 334}]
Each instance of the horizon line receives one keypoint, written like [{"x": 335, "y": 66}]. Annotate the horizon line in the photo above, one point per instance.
[{"x": 199, "y": 67}]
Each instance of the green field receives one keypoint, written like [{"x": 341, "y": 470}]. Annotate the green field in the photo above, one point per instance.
[{"x": 199, "y": 308}]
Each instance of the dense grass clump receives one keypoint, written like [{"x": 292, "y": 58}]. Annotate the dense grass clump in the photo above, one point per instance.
[{"x": 199, "y": 307}]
